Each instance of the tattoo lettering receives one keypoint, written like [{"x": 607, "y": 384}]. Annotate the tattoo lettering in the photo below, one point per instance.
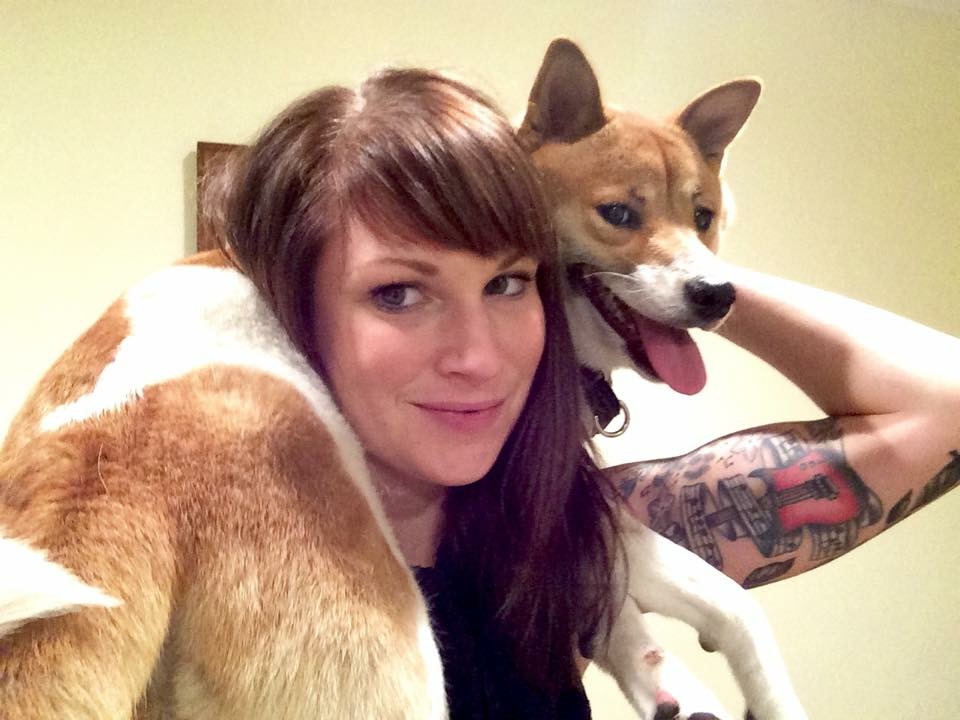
[{"x": 946, "y": 479}]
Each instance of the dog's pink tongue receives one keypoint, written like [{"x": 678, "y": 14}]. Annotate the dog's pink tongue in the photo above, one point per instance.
[{"x": 673, "y": 355}]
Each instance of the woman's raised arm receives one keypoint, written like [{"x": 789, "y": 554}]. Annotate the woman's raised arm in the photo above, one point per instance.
[{"x": 777, "y": 500}]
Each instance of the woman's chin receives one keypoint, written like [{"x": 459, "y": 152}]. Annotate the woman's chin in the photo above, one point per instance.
[{"x": 458, "y": 477}]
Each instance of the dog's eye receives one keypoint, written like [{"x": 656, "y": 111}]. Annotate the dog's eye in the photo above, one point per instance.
[
  {"x": 703, "y": 218},
  {"x": 619, "y": 215}
]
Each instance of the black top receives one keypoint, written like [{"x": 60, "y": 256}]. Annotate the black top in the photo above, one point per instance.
[{"x": 482, "y": 680}]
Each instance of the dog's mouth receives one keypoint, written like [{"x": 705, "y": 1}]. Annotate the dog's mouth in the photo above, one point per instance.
[{"x": 665, "y": 353}]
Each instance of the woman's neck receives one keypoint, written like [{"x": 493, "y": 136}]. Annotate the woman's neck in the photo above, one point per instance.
[{"x": 414, "y": 510}]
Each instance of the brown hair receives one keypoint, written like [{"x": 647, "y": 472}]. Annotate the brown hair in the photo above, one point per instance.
[{"x": 430, "y": 158}]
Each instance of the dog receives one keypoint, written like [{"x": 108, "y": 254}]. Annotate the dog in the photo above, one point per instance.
[
  {"x": 186, "y": 571},
  {"x": 211, "y": 577},
  {"x": 639, "y": 207}
]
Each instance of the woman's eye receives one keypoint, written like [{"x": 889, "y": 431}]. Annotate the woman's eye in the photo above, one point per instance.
[
  {"x": 395, "y": 296},
  {"x": 619, "y": 215},
  {"x": 509, "y": 285}
]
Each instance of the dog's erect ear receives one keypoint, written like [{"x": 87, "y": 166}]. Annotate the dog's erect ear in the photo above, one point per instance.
[
  {"x": 714, "y": 119},
  {"x": 564, "y": 103}
]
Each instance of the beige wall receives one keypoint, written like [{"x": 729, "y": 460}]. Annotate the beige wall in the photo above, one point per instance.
[{"x": 847, "y": 177}]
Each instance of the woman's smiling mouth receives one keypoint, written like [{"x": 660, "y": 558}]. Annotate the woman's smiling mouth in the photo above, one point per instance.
[{"x": 463, "y": 416}]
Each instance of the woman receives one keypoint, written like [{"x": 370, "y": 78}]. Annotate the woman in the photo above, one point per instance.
[
  {"x": 436, "y": 318},
  {"x": 400, "y": 235}
]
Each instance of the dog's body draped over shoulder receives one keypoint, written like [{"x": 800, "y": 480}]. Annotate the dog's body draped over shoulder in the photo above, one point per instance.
[{"x": 183, "y": 460}]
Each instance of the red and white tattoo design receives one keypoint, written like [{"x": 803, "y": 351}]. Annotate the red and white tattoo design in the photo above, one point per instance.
[{"x": 799, "y": 484}]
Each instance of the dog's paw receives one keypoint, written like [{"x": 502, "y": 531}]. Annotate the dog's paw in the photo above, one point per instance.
[
  {"x": 691, "y": 699},
  {"x": 667, "y": 707}
]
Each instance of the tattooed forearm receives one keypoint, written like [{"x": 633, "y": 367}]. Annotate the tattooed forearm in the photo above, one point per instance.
[
  {"x": 946, "y": 479},
  {"x": 772, "y": 491}
]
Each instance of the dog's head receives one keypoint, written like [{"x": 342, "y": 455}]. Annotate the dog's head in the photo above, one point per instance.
[{"x": 639, "y": 207}]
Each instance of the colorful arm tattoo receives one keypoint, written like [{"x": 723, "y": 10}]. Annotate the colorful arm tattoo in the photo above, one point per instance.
[{"x": 771, "y": 490}]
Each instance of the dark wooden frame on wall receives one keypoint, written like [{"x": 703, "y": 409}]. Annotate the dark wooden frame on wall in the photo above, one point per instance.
[{"x": 210, "y": 156}]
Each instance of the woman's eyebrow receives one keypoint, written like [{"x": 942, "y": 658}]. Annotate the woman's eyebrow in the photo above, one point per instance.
[
  {"x": 420, "y": 266},
  {"x": 427, "y": 268},
  {"x": 509, "y": 260}
]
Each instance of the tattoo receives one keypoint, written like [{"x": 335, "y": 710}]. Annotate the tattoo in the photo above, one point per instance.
[
  {"x": 800, "y": 483},
  {"x": 627, "y": 485},
  {"x": 768, "y": 573},
  {"x": 899, "y": 511},
  {"x": 825, "y": 430},
  {"x": 946, "y": 479}
]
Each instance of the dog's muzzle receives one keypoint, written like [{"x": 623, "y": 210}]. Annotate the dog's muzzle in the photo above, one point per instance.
[{"x": 660, "y": 351}]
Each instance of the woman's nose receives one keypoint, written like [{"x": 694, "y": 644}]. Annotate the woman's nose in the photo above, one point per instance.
[{"x": 471, "y": 346}]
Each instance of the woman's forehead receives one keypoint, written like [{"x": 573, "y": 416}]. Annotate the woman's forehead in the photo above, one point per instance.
[{"x": 362, "y": 244}]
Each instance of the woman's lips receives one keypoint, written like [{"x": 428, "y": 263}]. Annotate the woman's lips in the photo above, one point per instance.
[{"x": 462, "y": 416}]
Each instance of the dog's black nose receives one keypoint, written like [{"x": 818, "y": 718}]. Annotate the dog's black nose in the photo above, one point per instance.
[{"x": 710, "y": 300}]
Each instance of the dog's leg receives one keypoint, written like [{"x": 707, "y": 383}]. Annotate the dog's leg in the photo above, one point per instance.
[
  {"x": 633, "y": 658},
  {"x": 32, "y": 587},
  {"x": 668, "y": 579},
  {"x": 655, "y": 683},
  {"x": 91, "y": 662},
  {"x": 697, "y": 702}
]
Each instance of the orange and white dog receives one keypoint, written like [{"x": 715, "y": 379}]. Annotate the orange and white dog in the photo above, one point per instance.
[
  {"x": 170, "y": 547},
  {"x": 639, "y": 206}
]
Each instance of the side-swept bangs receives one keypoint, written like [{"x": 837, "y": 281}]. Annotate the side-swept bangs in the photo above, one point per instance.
[
  {"x": 414, "y": 155},
  {"x": 425, "y": 157}
]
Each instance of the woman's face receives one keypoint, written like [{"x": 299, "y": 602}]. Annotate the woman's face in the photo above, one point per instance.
[{"x": 430, "y": 352}]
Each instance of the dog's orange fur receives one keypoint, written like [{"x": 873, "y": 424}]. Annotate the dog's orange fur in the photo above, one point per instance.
[{"x": 630, "y": 156}]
